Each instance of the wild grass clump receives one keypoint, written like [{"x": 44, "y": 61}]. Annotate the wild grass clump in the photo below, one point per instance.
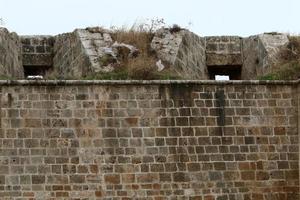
[
  {"x": 6, "y": 77},
  {"x": 143, "y": 66},
  {"x": 288, "y": 67},
  {"x": 140, "y": 66}
]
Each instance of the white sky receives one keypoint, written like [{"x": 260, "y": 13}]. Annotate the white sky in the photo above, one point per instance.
[{"x": 204, "y": 17}]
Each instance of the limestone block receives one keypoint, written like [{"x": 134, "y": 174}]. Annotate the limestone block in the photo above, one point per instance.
[
  {"x": 260, "y": 53},
  {"x": 223, "y": 50},
  {"x": 183, "y": 51},
  {"x": 70, "y": 59},
  {"x": 271, "y": 43},
  {"x": 251, "y": 58},
  {"x": 223, "y": 59}
]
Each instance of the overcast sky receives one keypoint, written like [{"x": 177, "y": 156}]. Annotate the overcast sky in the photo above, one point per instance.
[{"x": 204, "y": 17}]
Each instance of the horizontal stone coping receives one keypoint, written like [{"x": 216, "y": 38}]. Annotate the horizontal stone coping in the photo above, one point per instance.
[
  {"x": 36, "y": 36},
  {"x": 145, "y": 82}
]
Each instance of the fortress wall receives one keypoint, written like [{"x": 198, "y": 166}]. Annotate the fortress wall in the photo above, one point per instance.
[
  {"x": 149, "y": 140},
  {"x": 10, "y": 55}
]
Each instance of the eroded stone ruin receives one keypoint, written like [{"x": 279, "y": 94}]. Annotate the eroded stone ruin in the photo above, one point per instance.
[
  {"x": 87, "y": 51},
  {"x": 147, "y": 140}
]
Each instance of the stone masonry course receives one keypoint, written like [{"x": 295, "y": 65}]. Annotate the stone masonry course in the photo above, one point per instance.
[{"x": 149, "y": 140}]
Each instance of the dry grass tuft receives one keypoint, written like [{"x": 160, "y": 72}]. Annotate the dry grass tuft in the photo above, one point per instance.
[
  {"x": 142, "y": 66},
  {"x": 292, "y": 52},
  {"x": 139, "y": 39}
]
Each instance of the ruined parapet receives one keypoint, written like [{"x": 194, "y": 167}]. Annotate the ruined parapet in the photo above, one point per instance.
[
  {"x": 260, "y": 53},
  {"x": 182, "y": 50},
  {"x": 10, "y": 55},
  {"x": 37, "y": 54},
  {"x": 243, "y": 58},
  {"x": 87, "y": 51}
]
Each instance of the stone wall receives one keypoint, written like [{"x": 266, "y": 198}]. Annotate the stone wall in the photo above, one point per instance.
[
  {"x": 37, "y": 50},
  {"x": 223, "y": 50},
  {"x": 10, "y": 55},
  {"x": 149, "y": 140}
]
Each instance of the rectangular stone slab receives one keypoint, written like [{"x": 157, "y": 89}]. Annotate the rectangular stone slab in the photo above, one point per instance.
[{"x": 223, "y": 59}]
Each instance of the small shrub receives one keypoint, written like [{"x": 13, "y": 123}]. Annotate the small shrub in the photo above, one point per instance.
[
  {"x": 175, "y": 28},
  {"x": 106, "y": 59}
]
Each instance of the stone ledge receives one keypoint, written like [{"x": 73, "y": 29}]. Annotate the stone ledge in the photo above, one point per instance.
[{"x": 146, "y": 82}]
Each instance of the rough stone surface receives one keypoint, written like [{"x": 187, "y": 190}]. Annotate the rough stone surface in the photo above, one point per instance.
[
  {"x": 37, "y": 50},
  {"x": 70, "y": 59},
  {"x": 97, "y": 43},
  {"x": 88, "y": 51},
  {"x": 272, "y": 43},
  {"x": 223, "y": 50},
  {"x": 149, "y": 140},
  {"x": 10, "y": 55},
  {"x": 252, "y": 58},
  {"x": 183, "y": 51},
  {"x": 260, "y": 53}
]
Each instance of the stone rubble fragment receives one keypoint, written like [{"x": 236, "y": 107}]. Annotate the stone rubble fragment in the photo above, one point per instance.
[{"x": 160, "y": 66}]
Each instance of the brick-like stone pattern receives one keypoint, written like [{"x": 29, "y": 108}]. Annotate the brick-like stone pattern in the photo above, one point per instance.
[
  {"x": 223, "y": 50},
  {"x": 37, "y": 50},
  {"x": 10, "y": 55},
  {"x": 156, "y": 141}
]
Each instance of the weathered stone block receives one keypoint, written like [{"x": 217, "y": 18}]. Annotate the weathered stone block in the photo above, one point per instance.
[
  {"x": 112, "y": 179},
  {"x": 224, "y": 60},
  {"x": 38, "y": 179},
  {"x": 183, "y": 51},
  {"x": 10, "y": 51},
  {"x": 38, "y": 60}
]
